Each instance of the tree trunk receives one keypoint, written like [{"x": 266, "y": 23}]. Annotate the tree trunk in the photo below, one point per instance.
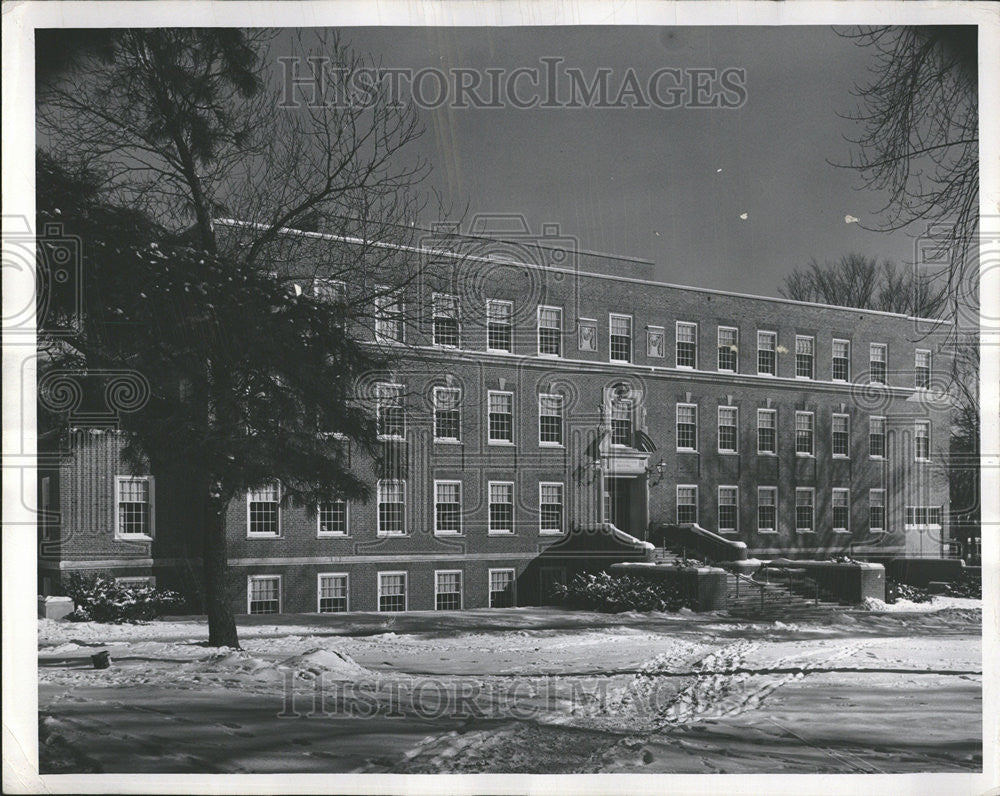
[{"x": 215, "y": 565}]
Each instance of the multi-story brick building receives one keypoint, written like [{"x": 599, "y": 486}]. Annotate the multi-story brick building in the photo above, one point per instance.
[{"x": 561, "y": 391}]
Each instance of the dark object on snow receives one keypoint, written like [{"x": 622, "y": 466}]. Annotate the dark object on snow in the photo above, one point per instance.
[{"x": 102, "y": 660}]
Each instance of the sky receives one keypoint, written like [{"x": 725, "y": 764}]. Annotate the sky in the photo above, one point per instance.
[{"x": 647, "y": 183}]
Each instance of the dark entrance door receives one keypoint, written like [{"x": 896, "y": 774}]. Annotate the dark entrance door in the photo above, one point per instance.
[{"x": 617, "y": 503}]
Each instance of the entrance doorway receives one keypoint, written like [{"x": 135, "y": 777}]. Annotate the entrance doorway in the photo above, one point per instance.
[{"x": 618, "y": 502}]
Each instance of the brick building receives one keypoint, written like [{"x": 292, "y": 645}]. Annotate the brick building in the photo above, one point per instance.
[{"x": 548, "y": 392}]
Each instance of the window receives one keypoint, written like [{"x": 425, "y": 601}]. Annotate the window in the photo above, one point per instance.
[
  {"x": 804, "y": 349},
  {"x": 263, "y": 513},
  {"x": 447, "y": 507},
  {"x": 728, "y": 425},
  {"x": 134, "y": 503},
  {"x": 877, "y": 359},
  {"x": 388, "y": 317},
  {"x": 876, "y": 509},
  {"x": 687, "y": 345},
  {"x": 332, "y": 291},
  {"x": 499, "y": 332},
  {"x": 446, "y": 320},
  {"x": 392, "y": 591},
  {"x": 923, "y": 516},
  {"x": 804, "y": 510},
  {"x": 447, "y": 414},
  {"x": 687, "y": 504},
  {"x": 767, "y": 431},
  {"x": 841, "y": 436},
  {"x": 654, "y": 341},
  {"x": 841, "y": 502},
  {"x": 922, "y": 370},
  {"x": 332, "y": 590},
  {"x": 767, "y": 345},
  {"x": 448, "y": 591},
  {"x": 841, "y": 360},
  {"x": 728, "y": 501},
  {"x": 391, "y": 507},
  {"x": 687, "y": 427},
  {"x": 621, "y": 421},
  {"x": 876, "y": 437},
  {"x": 550, "y": 419},
  {"x": 501, "y": 417},
  {"x": 922, "y": 440},
  {"x": 389, "y": 413},
  {"x": 501, "y": 506},
  {"x": 264, "y": 594},
  {"x": 332, "y": 518},
  {"x": 767, "y": 509},
  {"x": 550, "y": 331},
  {"x": 728, "y": 348},
  {"x": 621, "y": 338},
  {"x": 804, "y": 433},
  {"x": 550, "y": 507},
  {"x": 502, "y": 588}
]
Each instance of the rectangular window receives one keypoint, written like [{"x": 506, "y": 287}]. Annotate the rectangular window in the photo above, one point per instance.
[
  {"x": 448, "y": 591},
  {"x": 392, "y": 591},
  {"x": 501, "y": 416},
  {"x": 804, "y": 356},
  {"x": 876, "y": 437},
  {"x": 922, "y": 369},
  {"x": 446, "y": 320},
  {"x": 447, "y": 414},
  {"x": 391, "y": 507},
  {"x": 728, "y": 348},
  {"x": 264, "y": 594},
  {"x": 841, "y": 426},
  {"x": 447, "y": 507},
  {"x": 550, "y": 331},
  {"x": 388, "y": 317},
  {"x": 728, "y": 514},
  {"x": 502, "y": 588},
  {"x": 499, "y": 326},
  {"x": 728, "y": 427},
  {"x": 550, "y": 507},
  {"x": 134, "y": 505},
  {"x": 804, "y": 433},
  {"x": 767, "y": 353},
  {"x": 841, "y": 360},
  {"x": 877, "y": 362},
  {"x": 876, "y": 509},
  {"x": 804, "y": 504},
  {"x": 263, "y": 512},
  {"x": 332, "y": 590},
  {"x": 332, "y": 518},
  {"x": 654, "y": 341},
  {"x": 923, "y": 516},
  {"x": 501, "y": 506},
  {"x": 922, "y": 440},
  {"x": 687, "y": 427},
  {"x": 687, "y": 345},
  {"x": 687, "y": 504},
  {"x": 621, "y": 421},
  {"x": 841, "y": 502},
  {"x": 389, "y": 413},
  {"x": 550, "y": 419},
  {"x": 621, "y": 338},
  {"x": 767, "y": 431},
  {"x": 767, "y": 509}
]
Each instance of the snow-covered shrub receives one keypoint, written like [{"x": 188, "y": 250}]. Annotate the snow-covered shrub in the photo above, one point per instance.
[
  {"x": 894, "y": 590},
  {"x": 967, "y": 585},
  {"x": 614, "y": 594},
  {"x": 101, "y": 599}
]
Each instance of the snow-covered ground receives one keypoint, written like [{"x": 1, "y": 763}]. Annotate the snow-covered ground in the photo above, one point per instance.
[{"x": 889, "y": 689}]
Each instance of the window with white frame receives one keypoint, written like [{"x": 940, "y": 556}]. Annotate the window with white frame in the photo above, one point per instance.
[
  {"x": 687, "y": 344},
  {"x": 804, "y": 356},
  {"x": 877, "y": 362},
  {"x": 332, "y": 591},
  {"x": 728, "y": 348},
  {"x": 502, "y": 588},
  {"x": 841, "y": 433},
  {"x": 687, "y": 427},
  {"x": 446, "y": 320},
  {"x": 550, "y": 419},
  {"x": 841, "y": 503},
  {"x": 621, "y": 421},
  {"x": 767, "y": 509},
  {"x": 447, "y": 507},
  {"x": 841, "y": 360},
  {"x": 550, "y": 331},
  {"x": 767, "y": 353},
  {"x": 391, "y": 507},
  {"x": 767, "y": 431},
  {"x": 501, "y": 506},
  {"x": 728, "y": 512},
  {"x": 655, "y": 346},
  {"x": 499, "y": 326},
  {"x": 922, "y": 369},
  {"x": 391, "y": 591},
  {"x": 389, "y": 317},
  {"x": 447, "y": 414},
  {"x": 876, "y": 509},
  {"x": 264, "y": 594},
  {"x": 922, "y": 440},
  {"x": 501, "y": 416},
  {"x": 687, "y": 504},
  {"x": 332, "y": 518},
  {"x": 804, "y": 509},
  {"x": 448, "y": 590},
  {"x": 263, "y": 510},
  {"x": 389, "y": 413},
  {"x": 728, "y": 429},
  {"x": 621, "y": 337},
  {"x": 804, "y": 423},
  {"x": 923, "y": 516},
  {"x": 550, "y": 507},
  {"x": 876, "y": 437},
  {"x": 134, "y": 504}
]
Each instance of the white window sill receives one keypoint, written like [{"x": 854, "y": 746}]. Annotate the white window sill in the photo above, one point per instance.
[
  {"x": 133, "y": 537},
  {"x": 766, "y": 453},
  {"x": 542, "y": 532},
  {"x": 498, "y": 351},
  {"x": 500, "y": 533},
  {"x": 877, "y": 458},
  {"x": 924, "y": 461},
  {"x": 728, "y": 531},
  {"x": 386, "y": 534},
  {"x": 501, "y": 443},
  {"x": 391, "y": 438},
  {"x": 842, "y": 531},
  {"x": 447, "y": 441},
  {"x": 804, "y": 530},
  {"x": 687, "y": 450},
  {"x": 264, "y": 536},
  {"x": 551, "y": 445},
  {"x": 322, "y": 535},
  {"x": 767, "y": 531},
  {"x": 768, "y": 375},
  {"x": 841, "y": 456},
  {"x": 729, "y": 453},
  {"x": 550, "y": 356},
  {"x": 449, "y": 533},
  {"x": 805, "y": 455}
]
